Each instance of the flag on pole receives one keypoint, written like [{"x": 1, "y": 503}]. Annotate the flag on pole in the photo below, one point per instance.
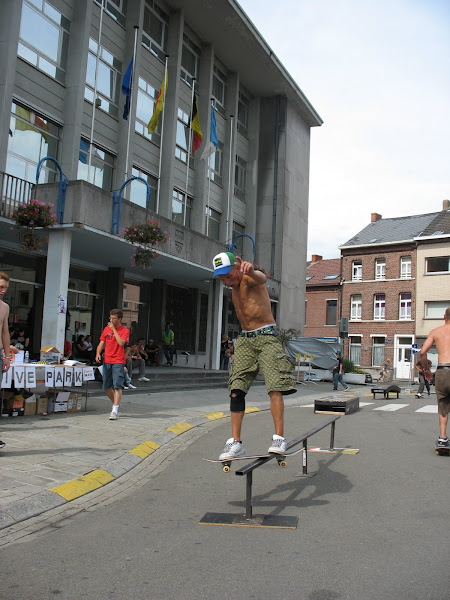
[
  {"x": 159, "y": 105},
  {"x": 195, "y": 126},
  {"x": 127, "y": 84},
  {"x": 211, "y": 147}
]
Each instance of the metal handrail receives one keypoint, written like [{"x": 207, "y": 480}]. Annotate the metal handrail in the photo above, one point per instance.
[{"x": 14, "y": 191}]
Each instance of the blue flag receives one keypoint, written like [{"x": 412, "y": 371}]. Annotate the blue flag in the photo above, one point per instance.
[
  {"x": 126, "y": 89},
  {"x": 213, "y": 136}
]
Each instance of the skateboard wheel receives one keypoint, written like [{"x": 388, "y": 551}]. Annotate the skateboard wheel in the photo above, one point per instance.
[
  {"x": 226, "y": 468},
  {"x": 283, "y": 463}
]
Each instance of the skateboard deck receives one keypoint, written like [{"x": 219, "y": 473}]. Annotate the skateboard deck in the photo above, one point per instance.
[
  {"x": 442, "y": 450},
  {"x": 226, "y": 463}
]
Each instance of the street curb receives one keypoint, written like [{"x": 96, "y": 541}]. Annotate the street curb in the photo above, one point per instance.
[{"x": 64, "y": 493}]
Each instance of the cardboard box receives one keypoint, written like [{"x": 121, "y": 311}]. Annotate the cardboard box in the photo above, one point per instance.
[
  {"x": 74, "y": 402},
  {"x": 79, "y": 399},
  {"x": 41, "y": 405},
  {"x": 30, "y": 407},
  {"x": 60, "y": 407},
  {"x": 50, "y": 354}
]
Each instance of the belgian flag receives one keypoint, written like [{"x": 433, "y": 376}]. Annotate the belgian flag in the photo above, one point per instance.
[{"x": 195, "y": 126}]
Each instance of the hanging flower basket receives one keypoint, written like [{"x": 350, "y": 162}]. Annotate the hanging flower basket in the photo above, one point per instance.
[
  {"x": 145, "y": 233},
  {"x": 29, "y": 216},
  {"x": 146, "y": 236},
  {"x": 143, "y": 257}
]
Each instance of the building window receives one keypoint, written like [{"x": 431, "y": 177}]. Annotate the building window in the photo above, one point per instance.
[
  {"x": 212, "y": 223},
  {"x": 355, "y": 349},
  {"x": 405, "y": 307},
  {"x": 189, "y": 60},
  {"x": 44, "y": 38},
  {"x": 405, "y": 267},
  {"x": 437, "y": 264},
  {"x": 102, "y": 166},
  {"x": 356, "y": 270},
  {"x": 33, "y": 137},
  {"x": 216, "y": 165},
  {"x": 379, "y": 307},
  {"x": 243, "y": 110},
  {"x": 436, "y": 309},
  {"x": 182, "y": 136},
  {"x": 181, "y": 208},
  {"x": 355, "y": 307},
  {"x": 154, "y": 34},
  {"x": 240, "y": 177},
  {"x": 139, "y": 189},
  {"x": 331, "y": 312},
  {"x": 219, "y": 87},
  {"x": 108, "y": 78},
  {"x": 378, "y": 345},
  {"x": 380, "y": 268},
  {"x": 239, "y": 243},
  {"x": 115, "y": 9}
]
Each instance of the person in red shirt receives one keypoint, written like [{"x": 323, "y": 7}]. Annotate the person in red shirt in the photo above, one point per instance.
[{"x": 113, "y": 340}]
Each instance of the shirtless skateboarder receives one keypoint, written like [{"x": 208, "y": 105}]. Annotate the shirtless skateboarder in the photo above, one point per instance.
[
  {"x": 257, "y": 347},
  {"x": 441, "y": 337}
]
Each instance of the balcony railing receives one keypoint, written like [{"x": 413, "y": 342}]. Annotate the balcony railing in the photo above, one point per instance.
[{"x": 14, "y": 191}]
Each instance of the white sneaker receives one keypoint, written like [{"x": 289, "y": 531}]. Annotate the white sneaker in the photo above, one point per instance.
[
  {"x": 113, "y": 416},
  {"x": 143, "y": 379},
  {"x": 279, "y": 445},
  {"x": 232, "y": 449},
  {"x": 131, "y": 386},
  {"x": 126, "y": 387}
]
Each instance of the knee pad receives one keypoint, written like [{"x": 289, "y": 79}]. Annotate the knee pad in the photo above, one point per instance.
[{"x": 237, "y": 403}]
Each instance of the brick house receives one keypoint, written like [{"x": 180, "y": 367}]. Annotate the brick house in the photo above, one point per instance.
[
  {"x": 378, "y": 292},
  {"x": 323, "y": 287},
  {"x": 433, "y": 277}
]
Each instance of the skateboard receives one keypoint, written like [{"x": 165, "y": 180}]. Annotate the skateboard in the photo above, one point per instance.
[
  {"x": 281, "y": 459},
  {"x": 442, "y": 450}
]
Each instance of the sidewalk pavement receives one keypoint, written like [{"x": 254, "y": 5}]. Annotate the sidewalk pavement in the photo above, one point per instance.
[{"x": 53, "y": 459}]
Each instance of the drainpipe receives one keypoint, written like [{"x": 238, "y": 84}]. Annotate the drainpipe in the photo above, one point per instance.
[{"x": 275, "y": 184}]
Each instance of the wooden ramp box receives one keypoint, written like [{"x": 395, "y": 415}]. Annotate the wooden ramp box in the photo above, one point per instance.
[{"x": 336, "y": 405}]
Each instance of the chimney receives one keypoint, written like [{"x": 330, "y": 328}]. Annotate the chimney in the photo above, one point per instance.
[
  {"x": 316, "y": 258},
  {"x": 375, "y": 217},
  {"x": 445, "y": 204}
]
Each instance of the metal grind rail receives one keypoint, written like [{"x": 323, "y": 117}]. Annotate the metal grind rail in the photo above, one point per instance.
[{"x": 248, "y": 469}]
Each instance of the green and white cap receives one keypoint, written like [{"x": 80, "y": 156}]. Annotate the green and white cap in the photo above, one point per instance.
[{"x": 223, "y": 262}]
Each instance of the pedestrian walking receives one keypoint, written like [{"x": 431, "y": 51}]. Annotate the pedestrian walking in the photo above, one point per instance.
[
  {"x": 168, "y": 340},
  {"x": 425, "y": 376},
  {"x": 257, "y": 347},
  {"x": 112, "y": 340},
  {"x": 5, "y": 352},
  {"x": 338, "y": 373}
]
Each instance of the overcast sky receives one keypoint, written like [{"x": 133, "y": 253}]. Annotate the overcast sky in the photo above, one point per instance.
[{"x": 378, "y": 74}]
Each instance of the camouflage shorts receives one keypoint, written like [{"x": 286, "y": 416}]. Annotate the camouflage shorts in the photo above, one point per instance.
[{"x": 263, "y": 352}]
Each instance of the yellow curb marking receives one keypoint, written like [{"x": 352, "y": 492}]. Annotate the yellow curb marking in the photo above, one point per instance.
[
  {"x": 215, "y": 415},
  {"x": 251, "y": 409},
  {"x": 83, "y": 485},
  {"x": 145, "y": 449},
  {"x": 179, "y": 428}
]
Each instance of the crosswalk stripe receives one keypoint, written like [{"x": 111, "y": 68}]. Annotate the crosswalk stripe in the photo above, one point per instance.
[
  {"x": 391, "y": 407},
  {"x": 430, "y": 408}
]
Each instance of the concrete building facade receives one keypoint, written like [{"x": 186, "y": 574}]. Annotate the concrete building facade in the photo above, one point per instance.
[{"x": 61, "y": 100}]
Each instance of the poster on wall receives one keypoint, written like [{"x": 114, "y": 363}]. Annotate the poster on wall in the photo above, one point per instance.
[{"x": 62, "y": 305}]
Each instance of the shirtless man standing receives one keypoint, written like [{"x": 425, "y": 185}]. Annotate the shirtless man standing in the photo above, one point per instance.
[
  {"x": 257, "y": 347},
  {"x": 441, "y": 337},
  {"x": 5, "y": 352}
]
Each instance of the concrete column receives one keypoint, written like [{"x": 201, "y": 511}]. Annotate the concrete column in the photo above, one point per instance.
[
  {"x": 228, "y": 166},
  {"x": 56, "y": 284},
  {"x": 201, "y": 166},
  {"x": 11, "y": 11},
  {"x": 174, "y": 45},
  {"x": 114, "y": 291},
  {"x": 80, "y": 29},
  {"x": 157, "y": 302},
  {"x": 214, "y": 327}
]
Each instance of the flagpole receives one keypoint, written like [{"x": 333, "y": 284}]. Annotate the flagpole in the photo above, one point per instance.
[
  {"x": 162, "y": 135},
  {"x": 189, "y": 151},
  {"x": 229, "y": 180},
  {"x": 94, "y": 103},
  {"x": 136, "y": 27},
  {"x": 209, "y": 180}
]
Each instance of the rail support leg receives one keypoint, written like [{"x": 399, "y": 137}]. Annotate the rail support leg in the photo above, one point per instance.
[
  {"x": 249, "y": 496},
  {"x": 333, "y": 427}
]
